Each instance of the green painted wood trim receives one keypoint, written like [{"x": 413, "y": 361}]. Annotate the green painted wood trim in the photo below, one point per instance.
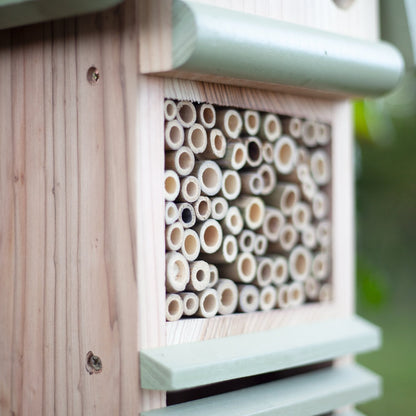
[
  {"x": 215, "y": 41},
  {"x": 22, "y": 12},
  {"x": 308, "y": 394},
  {"x": 189, "y": 365}
]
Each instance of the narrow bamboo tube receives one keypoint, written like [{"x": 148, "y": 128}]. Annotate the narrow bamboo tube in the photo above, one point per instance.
[
  {"x": 227, "y": 296},
  {"x": 320, "y": 167},
  {"x": 208, "y": 303},
  {"x": 171, "y": 213},
  {"x": 267, "y": 151},
  {"x": 253, "y": 209},
  {"x": 264, "y": 272},
  {"x": 190, "y": 189},
  {"x": 210, "y": 235},
  {"x": 284, "y": 197},
  {"x": 323, "y": 136},
  {"x": 242, "y": 270},
  {"x": 216, "y": 146},
  {"x": 186, "y": 113},
  {"x": 254, "y": 151},
  {"x": 323, "y": 233},
  {"x": 219, "y": 208},
  {"x": 285, "y": 155},
  {"x": 199, "y": 276},
  {"x": 191, "y": 246},
  {"x": 308, "y": 188},
  {"x": 170, "y": 110},
  {"x": 230, "y": 122},
  {"x": 296, "y": 294},
  {"x": 251, "y": 183},
  {"x": 303, "y": 155},
  {"x": 182, "y": 161},
  {"x": 309, "y": 133},
  {"x": 282, "y": 297},
  {"x": 298, "y": 175},
  {"x": 233, "y": 222},
  {"x": 320, "y": 205},
  {"x": 320, "y": 266},
  {"x": 301, "y": 216},
  {"x": 273, "y": 223},
  {"x": 177, "y": 272},
  {"x": 174, "y": 135},
  {"x": 311, "y": 287},
  {"x": 187, "y": 215},
  {"x": 300, "y": 262},
  {"x": 196, "y": 138},
  {"x": 280, "y": 270},
  {"x": 246, "y": 240},
  {"x": 174, "y": 235},
  {"x": 260, "y": 245},
  {"x": 209, "y": 176},
  {"x": 213, "y": 275},
  {"x": 271, "y": 127},
  {"x": 207, "y": 115},
  {"x": 235, "y": 156},
  {"x": 287, "y": 240},
  {"x": 308, "y": 237},
  {"x": 190, "y": 303},
  {"x": 325, "y": 293},
  {"x": 251, "y": 123},
  {"x": 202, "y": 207},
  {"x": 174, "y": 307},
  {"x": 267, "y": 298},
  {"x": 269, "y": 178},
  {"x": 172, "y": 185},
  {"x": 227, "y": 253},
  {"x": 292, "y": 126},
  {"x": 231, "y": 184},
  {"x": 248, "y": 298}
]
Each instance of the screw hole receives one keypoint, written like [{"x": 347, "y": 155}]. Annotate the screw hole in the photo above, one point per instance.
[
  {"x": 93, "y": 75},
  {"x": 93, "y": 364}
]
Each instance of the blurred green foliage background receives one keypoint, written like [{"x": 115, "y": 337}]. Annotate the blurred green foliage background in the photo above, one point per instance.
[{"x": 386, "y": 241}]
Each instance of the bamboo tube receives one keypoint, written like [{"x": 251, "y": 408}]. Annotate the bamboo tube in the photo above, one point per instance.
[
  {"x": 208, "y": 303},
  {"x": 202, "y": 207},
  {"x": 216, "y": 146},
  {"x": 296, "y": 294},
  {"x": 182, "y": 161},
  {"x": 308, "y": 237},
  {"x": 254, "y": 151},
  {"x": 325, "y": 293},
  {"x": 177, "y": 272},
  {"x": 233, "y": 222},
  {"x": 292, "y": 126},
  {"x": 227, "y": 253},
  {"x": 282, "y": 297},
  {"x": 199, "y": 276},
  {"x": 190, "y": 303},
  {"x": 231, "y": 184},
  {"x": 196, "y": 138},
  {"x": 284, "y": 197},
  {"x": 301, "y": 216},
  {"x": 209, "y": 176},
  {"x": 253, "y": 211},
  {"x": 298, "y": 175},
  {"x": 170, "y": 110},
  {"x": 248, "y": 298},
  {"x": 267, "y": 298},
  {"x": 287, "y": 239},
  {"x": 303, "y": 155},
  {"x": 242, "y": 270},
  {"x": 219, "y": 208},
  {"x": 285, "y": 155},
  {"x": 271, "y": 127},
  {"x": 320, "y": 205},
  {"x": 213, "y": 275},
  {"x": 186, "y": 113},
  {"x": 311, "y": 287},
  {"x": 260, "y": 245},
  {"x": 323, "y": 233},
  {"x": 174, "y": 235},
  {"x": 320, "y": 266},
  {"x": 235, "y": 156},
  {"x": 207, "y": 115},
  {"x": 230, "y": 122},
  {"x": 191, "y": 246},
  {"x": 280, "y": 270},
  {"x": 172, "y": 185},
  {"x": 251, "y": 183},
  {"x": 264, "y": 272},
  {"x": 269, "y": 178},
  {"x": 320, "y": 167},
  {"x": 246, "y": 241},
  {"x": 323, "y": 136},
  {"x": 251, "y": 124},
  {"x": 210, "y": 235},
  {"x": 174, "y": 135},
  {"x": 309, "y": 133},
  {"x": 227, "y": 296},
  {"x": 190, "y": 189},
  {"x": 267, "y": 152},
  {"x": 171, "y": 213},
  {"x": 272, "y": 225},
  {"x": 300, "y": 262},
  {"x": 174, "y": 307},
  {"x": 308, "y": 189},
  {"x": 187, "y": 215}
]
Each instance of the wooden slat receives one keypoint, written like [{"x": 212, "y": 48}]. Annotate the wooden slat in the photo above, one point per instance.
[
  {"x": 189, "y": 365},
  {"x": 351, "y": 412}
]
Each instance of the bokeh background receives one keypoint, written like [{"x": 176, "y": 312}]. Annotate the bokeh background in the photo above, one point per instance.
[{"x": 386, "y": 241}]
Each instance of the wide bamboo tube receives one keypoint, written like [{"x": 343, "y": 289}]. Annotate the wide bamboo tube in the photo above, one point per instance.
[
  {"x": 233, "y": 222},
  {"x": 296, "y": 294},
  {"x": 177, "y": 272},
  {"x": 301, "y": 216},
  {"x": 269, "y": 178},
  {"x": 300, "y": 262},
  {"x": 246, "y": 241},
  {"x": 254, "y": 151},
  {"x": 292, "y": 126},
  {"x": 174, "y": 307},
  {"x": 260, "y": 245},
  {"x": 320, "y": 205},
  {"x": 213, "y": 275},
  {"x": 284, "y": 197},
  {"x": 267, "y": 150},
  {"x": 235, "y": 156},
  {"x": 273, "y": 223},
  {"x": 251, "y": 122},
  {"x": 242, "y": 270},
  {"x": 208, "y": 303},
  {"x": 264, "y": 272},
  {"x": 227, "y": 296},
  {"x": 216, "y": 146},
  {"x": 187, "y": 215},
  {"x": 248, "y": 298},
  {"x": 309, "y": 133},
  {"x": 285, "y": 155},
  {"x": 209, "y": 176},
  {"x": 282, "y": 297},
  {"x": 182, "y": 161},
  {"x": 196, "y": 138},
  {"x": 172, "y": 185},
  {"x": 190, "y": 189},
  {"x": 174, "y": 235},
  {"x": 169, "y": 109},
  {"x": 207, "y": 115},
  {"x": 287, "y": 240},
  {"x": 230, "y": 122},
  {"x": 320, "y": 266},
  {"x": 210, "y": 235},
  {"x": 308, "y": 188},
  {"x": 308, "y": 237},
  {"x": 191, "y": 245},
  {"x": 199, "y": 276},
  {"x": 323, "y": 136},
  {"x": 311, "y": 287},
  {"x": 227, "y": 253},
  {"x": 231, "y": 184},
  {"x": 320, "y": 167},
  {"x": 253, "y": 209},
  {"x": 280, "y": 270},
  {"x": 171, "y": 213},
  {"x": 325, "y": 293},
  {"x": 323, "y": 233},
  {"x": 190, "y": 303},
  {"x": 202, "y": 207},
  {"x": 186, "y": 113},
  {"x": 219, "y": 208},
  {"x": 174, "y": 135},
  {"x": 267, "y": 300},
  {"x": 270, "y": 127},
  {"x": 251, "y": 183}
]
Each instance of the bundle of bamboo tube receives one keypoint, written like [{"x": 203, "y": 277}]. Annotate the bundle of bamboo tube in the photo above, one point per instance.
[{"x": 247, "y": 210}]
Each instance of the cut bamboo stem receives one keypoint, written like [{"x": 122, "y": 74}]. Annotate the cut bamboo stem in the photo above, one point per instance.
[
  {"x": 309, "y": 133},
  {"x": 304, "y": 156},
  {"x": 170, "y": 110},
  {"x": 202, "y": 207},
  {"x": 280, "y": 270},
  {"x": 260, "y": 245},
  {"x": 174, "y": 135},
  {"x": 298, "y": 175},
  {"x": 271, "y": 127},
  {"x": 296, "y": 294},
  {"x": 300, "y": 262},
  {"x": 301, "y": 216},
  {"x": 246, "y": 240},
  {"x": 182, "y": 161},
  {"x": 284, "y": 197},
  {"x": 210, "y": 235},
  {"x": 320, "y": 167},
  {"x": 325, "y": 293},
  {"x": 208, "y": 303},
  {"x": 287, "y": 240},
  {"x": 253, "y": 209},
  {"x": 242, "y": 270},
  {"x": 267, "y": 298},
  {"x": 264, "y": 272},
  {"x": 311, "y": 287},
  {"x": 273, "y": 223},
  {"x": 219, "y": 208},
  {"x": 196, "y": 138},
  {"x": 213, "y": 275},
  {"x": 282, "y": 297},
  {"x": 186, "y": 113},
  {"x": 191, "y": 246},
  {"x": 320, "y": 266},
  {"x": 308, "y": 237},
  {"x": 172, "y": 185},
  {"x": 233, "y": 222},
  {"x": 171, "y": 213},
  {"x": 190, "y": 189},
  {"x": 230, "y": 122},
  {"x": 320, "y": 205},
  {"x": 323, "y": 233},
  {"x": 174, "y": 235},
  {"x": 254, "y": 151},
  {"x": 174, "y": 307},
  {"x": 292, "y": 126},
  {"x": 187, "y": 215},
  {"x": 207, "y": 115},
  {"x": 251, "y": 183},
  {"x": 285, "y": 155},
  {"x": 248, "y": 298},
  {"x": 235, "y": 156},
  {"x": 227, "y": 296},
  {"x": 216, "y": 146},
  {"x": 251, "y": 124},
  {"x": 190, "y": 303},
  {"x": 323, "y": 136},
  {"x": 269, "y": 178},
  {"x": 227, "y": 253},
  {"x": 231, "y": 184},
  {"x": 267, "y": 151},
  {"x": 177, "y": 272},
  {"x": 209, "y": 176},
  {"x": 308, "y": 188},
  {"x": 199, "y": 276}
]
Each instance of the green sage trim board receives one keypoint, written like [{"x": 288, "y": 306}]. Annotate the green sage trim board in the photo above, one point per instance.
[
  {"x": 308, "y": 394},
  {"x": 189, "y": 365}
]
